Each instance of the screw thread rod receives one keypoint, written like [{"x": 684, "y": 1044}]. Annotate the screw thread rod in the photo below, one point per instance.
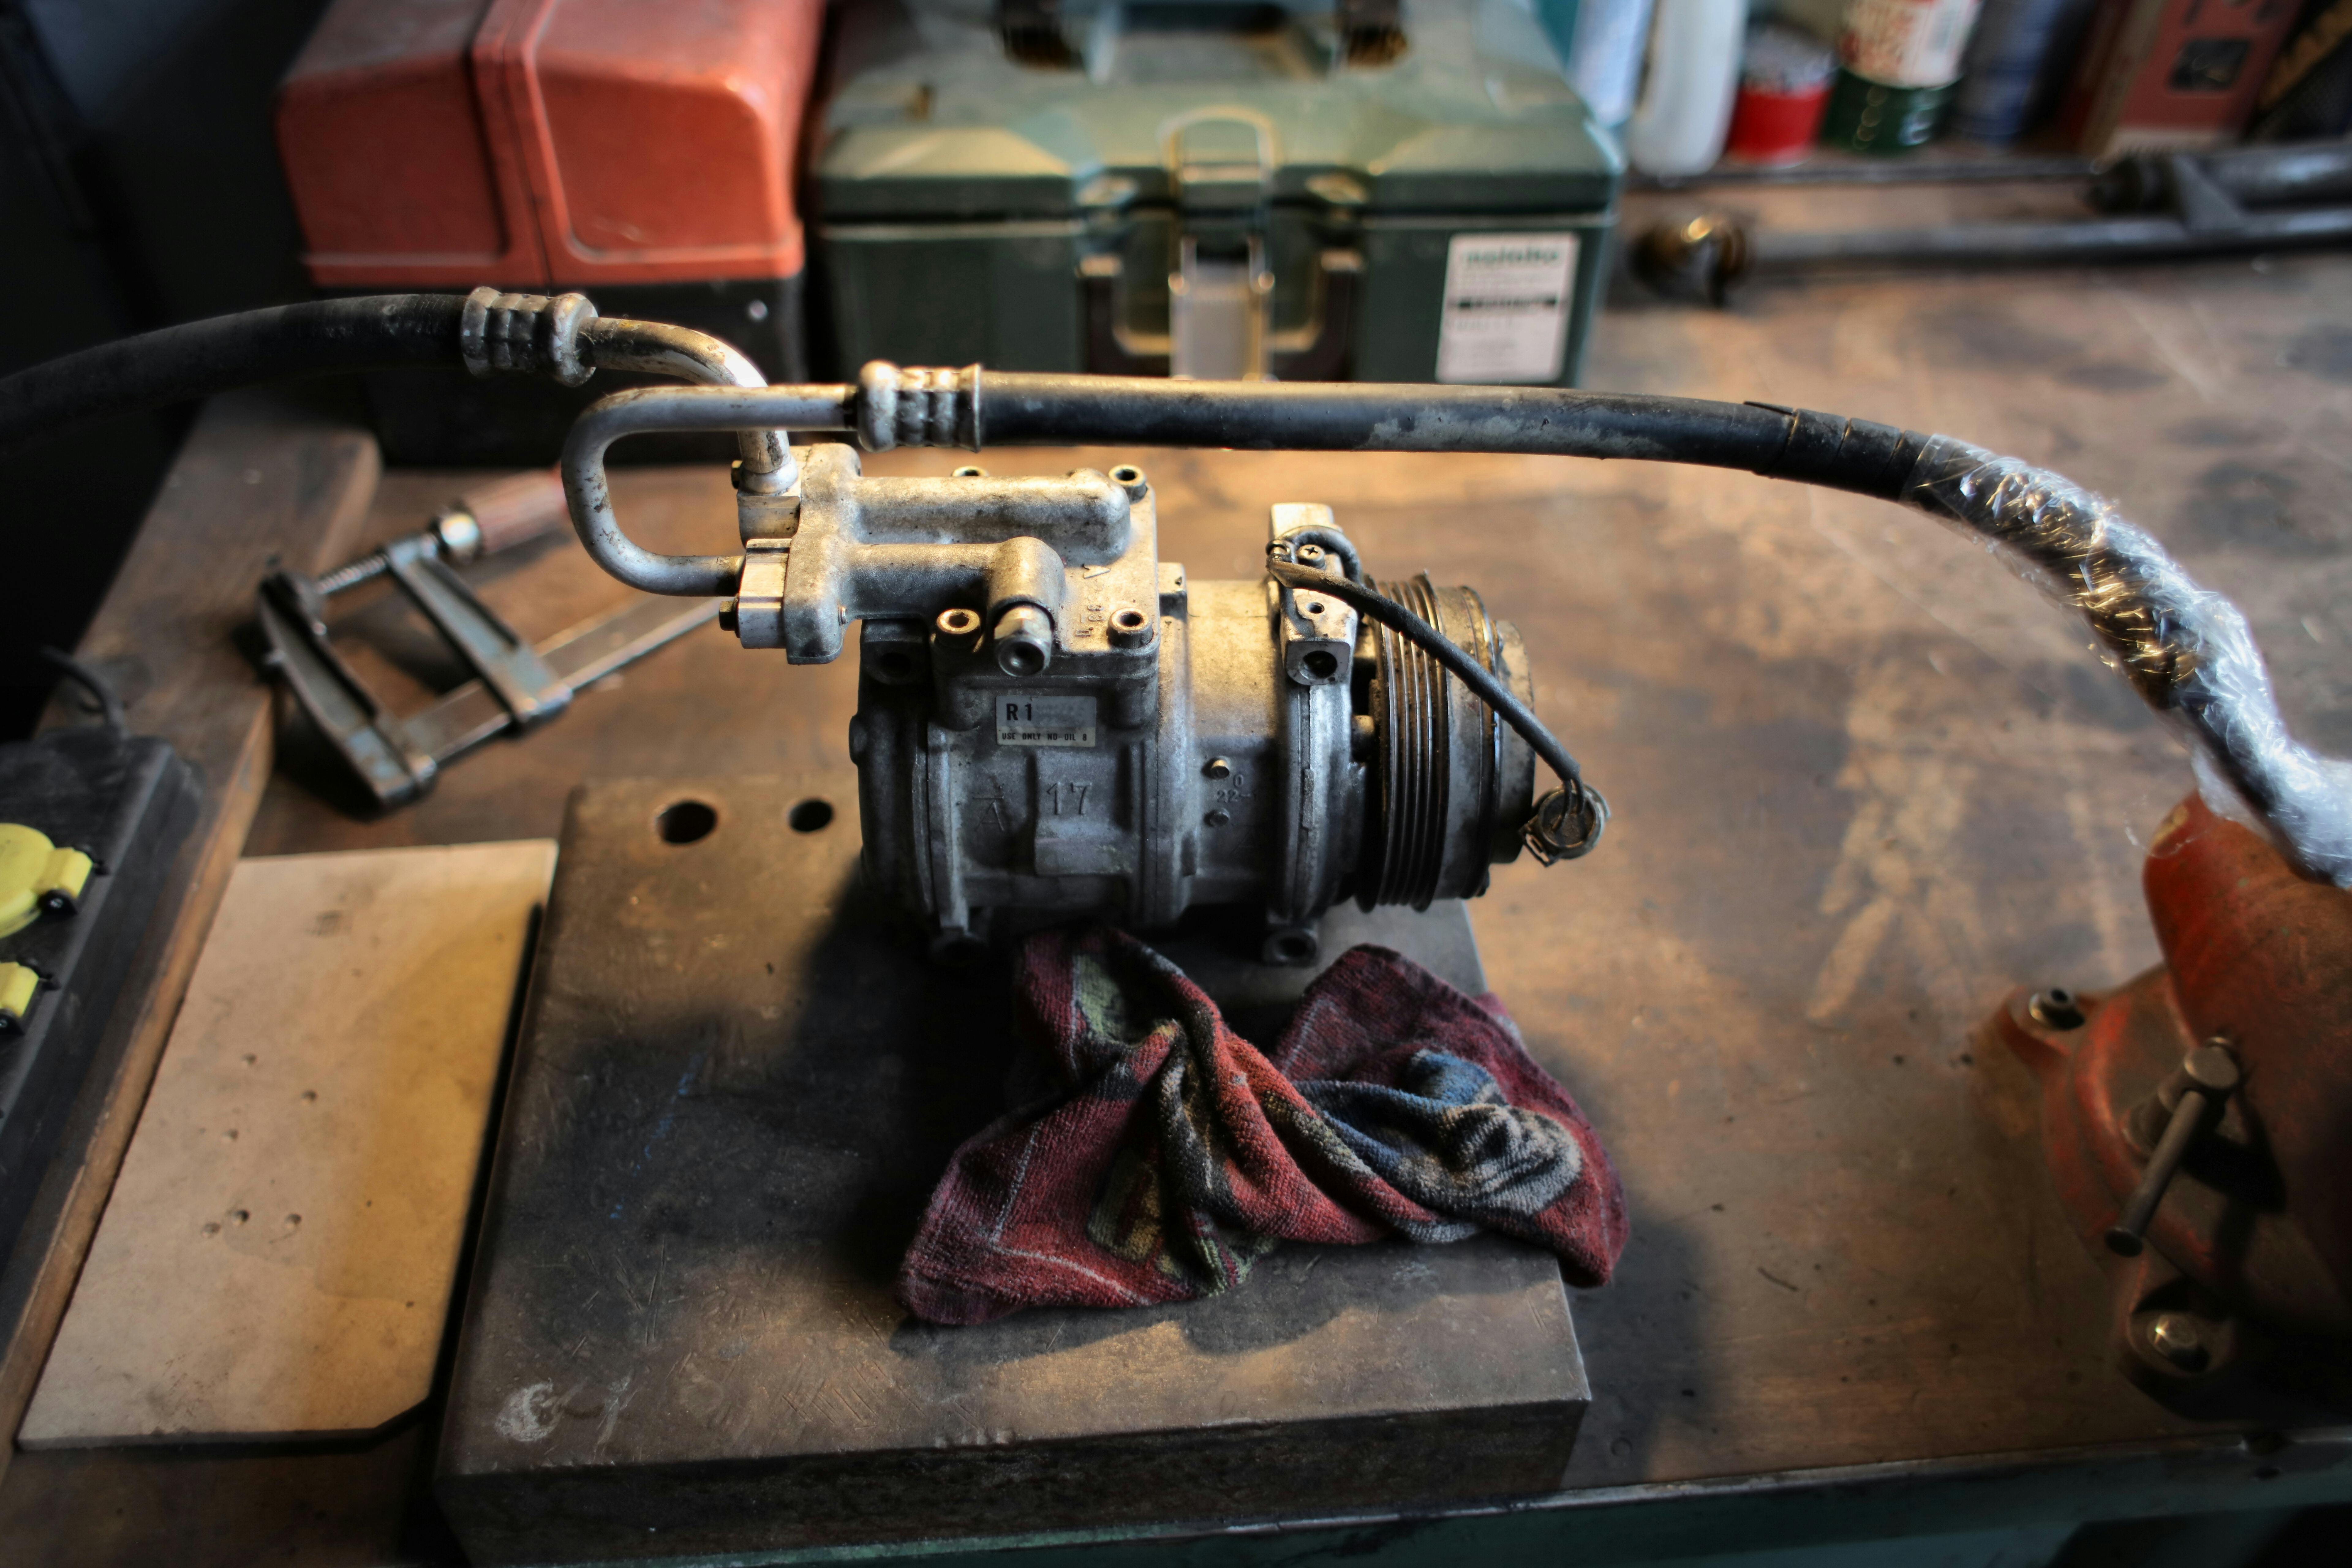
[
  {"x": 350, "y": 575},
  {"x": 2128, "y": 1235}
]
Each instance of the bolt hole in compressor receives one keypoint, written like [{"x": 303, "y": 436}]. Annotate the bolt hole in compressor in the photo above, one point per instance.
[{"x": 1293, "y": 948}]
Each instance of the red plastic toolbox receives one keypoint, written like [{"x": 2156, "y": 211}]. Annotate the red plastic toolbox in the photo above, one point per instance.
[{"x": 643, "y": 153}]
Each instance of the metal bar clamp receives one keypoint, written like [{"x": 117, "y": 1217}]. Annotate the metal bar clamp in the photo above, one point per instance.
[{"x": 515, "y": 686}]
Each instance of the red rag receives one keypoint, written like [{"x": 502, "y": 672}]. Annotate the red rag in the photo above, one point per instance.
[{"x": 1171, "y": 1153}]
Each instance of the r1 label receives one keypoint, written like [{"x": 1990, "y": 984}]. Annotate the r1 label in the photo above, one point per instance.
[
  {"x": 1507, "y": 308},
  {"x": 1045, "y": 721}
]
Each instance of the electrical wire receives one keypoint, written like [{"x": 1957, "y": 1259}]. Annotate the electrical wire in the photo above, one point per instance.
[{"x": 1567, "y": 823}]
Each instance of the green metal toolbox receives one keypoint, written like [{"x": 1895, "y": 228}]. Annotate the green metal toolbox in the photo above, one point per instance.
[{"x": 1382, "y": 192}]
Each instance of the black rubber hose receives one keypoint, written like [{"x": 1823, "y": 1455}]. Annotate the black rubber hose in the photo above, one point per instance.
[
  {"x": 373, "y": 331},
  {"x": 1040, "y": 409}
]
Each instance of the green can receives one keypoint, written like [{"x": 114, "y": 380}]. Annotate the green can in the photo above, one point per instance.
[{"x": 1865, "y": 116}]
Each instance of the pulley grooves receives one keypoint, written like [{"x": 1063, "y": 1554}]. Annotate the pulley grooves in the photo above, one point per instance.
[
  {"x": 1410, "y": 703},
  {"x": 1426, "y": 844},
  {"x": 1448, "y": 787},
  {"x": 1490, "y": 749}
]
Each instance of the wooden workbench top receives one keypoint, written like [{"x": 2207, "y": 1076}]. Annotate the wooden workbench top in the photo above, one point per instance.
[{"x": 1865, "y": 783}]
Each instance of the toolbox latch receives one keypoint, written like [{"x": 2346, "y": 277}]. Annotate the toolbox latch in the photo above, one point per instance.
[{"x": 1219, "y": 162}]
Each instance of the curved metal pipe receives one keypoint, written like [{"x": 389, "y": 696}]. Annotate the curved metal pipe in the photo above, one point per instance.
[
  {"x": 764, "y": 410},
  {"x": 655, "y": 348}
]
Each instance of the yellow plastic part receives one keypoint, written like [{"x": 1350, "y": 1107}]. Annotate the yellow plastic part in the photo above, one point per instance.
[
  {"x": 68, "y": 875},
  {"x": 17, "y": 984},
  {"x": 35, "y": 873}
]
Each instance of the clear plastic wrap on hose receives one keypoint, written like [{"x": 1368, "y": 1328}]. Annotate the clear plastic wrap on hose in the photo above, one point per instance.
[{"x": 2186, "y": 649}]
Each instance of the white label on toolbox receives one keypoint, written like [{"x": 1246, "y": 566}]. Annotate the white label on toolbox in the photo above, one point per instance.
[
  {"x": 1045, "y": 721},
  {"x": 1507, "y": 307}
]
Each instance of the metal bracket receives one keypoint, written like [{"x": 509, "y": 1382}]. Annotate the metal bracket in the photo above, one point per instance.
[
  {"x": 1322, "y": 350},
  {"x": 362, "y": 730},
  {"x": 2204, "y": 207},
  {"x": 516, "y": 686},
  {"x": 509, "y": 666}
]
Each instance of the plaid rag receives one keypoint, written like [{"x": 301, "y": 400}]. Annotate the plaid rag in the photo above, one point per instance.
[{"x": 1170, "y": 1152}]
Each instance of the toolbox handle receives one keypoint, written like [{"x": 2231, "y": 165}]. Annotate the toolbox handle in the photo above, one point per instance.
[{"x": 1371, "y": 32}]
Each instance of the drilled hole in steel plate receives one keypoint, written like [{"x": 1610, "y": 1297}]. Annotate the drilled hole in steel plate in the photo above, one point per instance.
[
  {"x": 1320, "y": 664},
  {"x": 810, "y": 815},
  {"x": 1129, "y": 620},
  {"x": 1314, "y": 606},
  {"x": 685, "y": 822}
]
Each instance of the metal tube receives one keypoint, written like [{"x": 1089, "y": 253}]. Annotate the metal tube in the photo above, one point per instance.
[
  {"x": 1879, "y": 171},
  {"x": 2302, "y": 172},
  {"x": 2297, "y": 172},
  {"x": 2042, "y": 244},
  {"x": 655, "y": 348},
  {"x": 664, "y": 408}
]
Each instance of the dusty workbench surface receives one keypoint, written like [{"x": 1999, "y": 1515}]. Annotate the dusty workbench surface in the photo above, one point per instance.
[{"x": 1865, "y": 783}]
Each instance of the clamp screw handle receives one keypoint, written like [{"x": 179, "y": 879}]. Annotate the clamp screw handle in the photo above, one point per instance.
[{"x": 2209, "y": 1074}]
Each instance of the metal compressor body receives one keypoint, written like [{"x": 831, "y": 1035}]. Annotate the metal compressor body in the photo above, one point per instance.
[{"x": 1053, "y": 723}]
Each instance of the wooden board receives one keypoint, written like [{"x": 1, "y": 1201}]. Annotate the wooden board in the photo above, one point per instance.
[
  {"x": 278, "y": 1255},
  {"x": 260, "y": 476}
]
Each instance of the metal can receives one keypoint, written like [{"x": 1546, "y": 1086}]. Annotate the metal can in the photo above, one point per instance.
[
  {"x": 1900, "y": 64},
  {"x": 1784, "y": 85},
  {"x": 1906, "y": 43}
]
